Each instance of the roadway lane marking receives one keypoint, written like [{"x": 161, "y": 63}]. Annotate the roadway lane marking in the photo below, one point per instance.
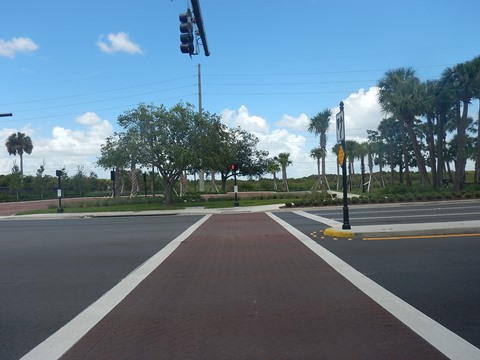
[
  {"x": 323, "y": 220},
  {"x": 417, "y": 237},
  {"x": 61, "y": 341},
  {"x": 446, "y": 341}
]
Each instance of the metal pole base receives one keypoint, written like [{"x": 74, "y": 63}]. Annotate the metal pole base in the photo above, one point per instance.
[{"x": 59, "y": 210}]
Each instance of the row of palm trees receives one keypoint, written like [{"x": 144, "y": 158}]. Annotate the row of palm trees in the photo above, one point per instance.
[{"x": 418, "y": 115}]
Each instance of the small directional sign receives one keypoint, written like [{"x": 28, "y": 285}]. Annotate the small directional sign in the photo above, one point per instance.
[
  {"x": 341, "y": 156},
  {"x": 340, "y": 127}
]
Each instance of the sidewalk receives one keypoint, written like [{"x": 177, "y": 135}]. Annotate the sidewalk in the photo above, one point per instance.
[{"x": 242, "y": 287}]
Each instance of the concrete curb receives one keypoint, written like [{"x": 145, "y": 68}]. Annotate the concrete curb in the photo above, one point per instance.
[{"x": 338, "y": 233}]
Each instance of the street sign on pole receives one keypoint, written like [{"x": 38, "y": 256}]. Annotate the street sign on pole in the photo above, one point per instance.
[{"x": 340, "y": 126}]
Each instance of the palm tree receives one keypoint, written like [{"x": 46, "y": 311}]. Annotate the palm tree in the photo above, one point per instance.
[
  {"x": 317, "y": 153},
  {"x": 391, "y": 134},
  {"x": 351, "y": 154},
  {"x": 335, "y": 150},
  {"x": 399, "y": 96},
  {"x": 476, "y": 62},
  {"x": 19, "y": 143},
  {"x": 362, "y": 152},
  {"x": 464, "y": 80},
  {"x": 428, "y": 90},
  {"x": 319, "y": 126},
  {"x": 284, "y": 161},
  {"x": 273, "y": 168}
]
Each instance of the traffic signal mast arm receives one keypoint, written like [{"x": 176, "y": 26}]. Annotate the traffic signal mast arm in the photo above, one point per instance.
[{"x": 201, "y": 29}]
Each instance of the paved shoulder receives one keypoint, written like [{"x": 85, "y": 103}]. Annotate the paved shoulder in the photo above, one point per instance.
[{"x": 242, "y": 287}]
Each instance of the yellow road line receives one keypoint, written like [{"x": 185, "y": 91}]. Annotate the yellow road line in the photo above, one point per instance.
[{"x": 417, "y": 237}]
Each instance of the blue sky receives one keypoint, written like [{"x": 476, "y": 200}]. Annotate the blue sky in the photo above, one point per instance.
[{"x": 68, "y": 69}]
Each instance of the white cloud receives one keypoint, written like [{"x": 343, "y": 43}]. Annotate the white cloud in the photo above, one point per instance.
[
  {"x": 17, "y": 45},
  {"x": 276, "y": 141},
  {"x": 299, "y": 123},
  {"x": 63, "y": 147},
  {"x": 251, "y": 123},
  {"x": 119, "y": 42},
  {"x": 362, "y": 112}
]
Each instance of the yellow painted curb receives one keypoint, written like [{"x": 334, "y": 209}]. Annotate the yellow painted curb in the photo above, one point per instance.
[{"x": 338, "y": 233}]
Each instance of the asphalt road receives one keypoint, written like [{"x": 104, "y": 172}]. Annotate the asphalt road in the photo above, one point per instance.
[
  {"x": 406, "y": 213},
  {"x": 439, "y": 275},
  {"x": 51, "y": 270}
]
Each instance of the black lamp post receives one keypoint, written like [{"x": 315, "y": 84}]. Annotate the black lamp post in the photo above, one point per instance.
[
  {"x": 341, "y": 139},
  {"x": 59, "y": 174},
  {"x": 145, "y": 183}
]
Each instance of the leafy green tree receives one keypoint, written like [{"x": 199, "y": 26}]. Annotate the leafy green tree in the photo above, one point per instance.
[
  {"x": 240, "y": 147},
  {"x": 79, "y": 180},
  {"x": 19, "y": 143},
  {"x": 113, "y": 156},
  {"x": 40, "y": 179},
  {"x": 15, "y": 181}
]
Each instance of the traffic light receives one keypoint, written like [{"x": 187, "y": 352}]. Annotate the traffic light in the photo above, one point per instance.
[
  {"x": 234, "y": 167},
  {"x": 186, "y": 33}
]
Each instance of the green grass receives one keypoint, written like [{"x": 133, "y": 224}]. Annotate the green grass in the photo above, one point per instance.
[{"x": 142, "y": 204}]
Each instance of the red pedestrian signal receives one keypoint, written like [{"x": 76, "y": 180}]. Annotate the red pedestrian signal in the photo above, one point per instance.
[{"x": 234, "y": 167}]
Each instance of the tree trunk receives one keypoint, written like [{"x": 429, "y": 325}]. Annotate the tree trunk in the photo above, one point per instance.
[
  {"x": 406, "y": 158},
  {"x": 134, "y": 178},
  {"x": 284, "y": 179},
  {"x": 418, "y": 154},
  {"x": 431, "y": 150},
  {"x": 461, "y": 156},
  {"x": 168, "y": 192},
  {"x": 477, "y": 162},
  {"x": 440, "y": 148}
]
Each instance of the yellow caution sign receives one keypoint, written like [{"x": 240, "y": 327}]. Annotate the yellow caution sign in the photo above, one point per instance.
[{"x": 341, "y": 156}]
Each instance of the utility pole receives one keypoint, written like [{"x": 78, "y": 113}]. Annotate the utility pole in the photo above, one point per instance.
[
  {"x": 199, "y": 91},
  {"x": 201, "y": 172}
]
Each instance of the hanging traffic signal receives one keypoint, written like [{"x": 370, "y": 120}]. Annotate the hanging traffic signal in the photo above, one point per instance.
[
  {"x": 234, "y": 167},
  {"x": 186, "y": 33}
]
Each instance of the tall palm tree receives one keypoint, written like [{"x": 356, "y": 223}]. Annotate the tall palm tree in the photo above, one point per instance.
[
  {"x": 351, "y": 154},
  {"x": 476, "y": 63},
  {"x": 392, "y": 135},
  {"x": 319, "y": 126},
  {"x": 273, "y": 168},
  {"x": 428, "y": 90},
  {"x": 335, "y": 150},
  {"x": 284, "y": 161},
  {"x": 19, "y": 143},
  {"x": 362, "y": 152},
  {"x": 399, "y": 96},
  {"x": 317, "y": 153},
  {"x": 464, "y": 80}
]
